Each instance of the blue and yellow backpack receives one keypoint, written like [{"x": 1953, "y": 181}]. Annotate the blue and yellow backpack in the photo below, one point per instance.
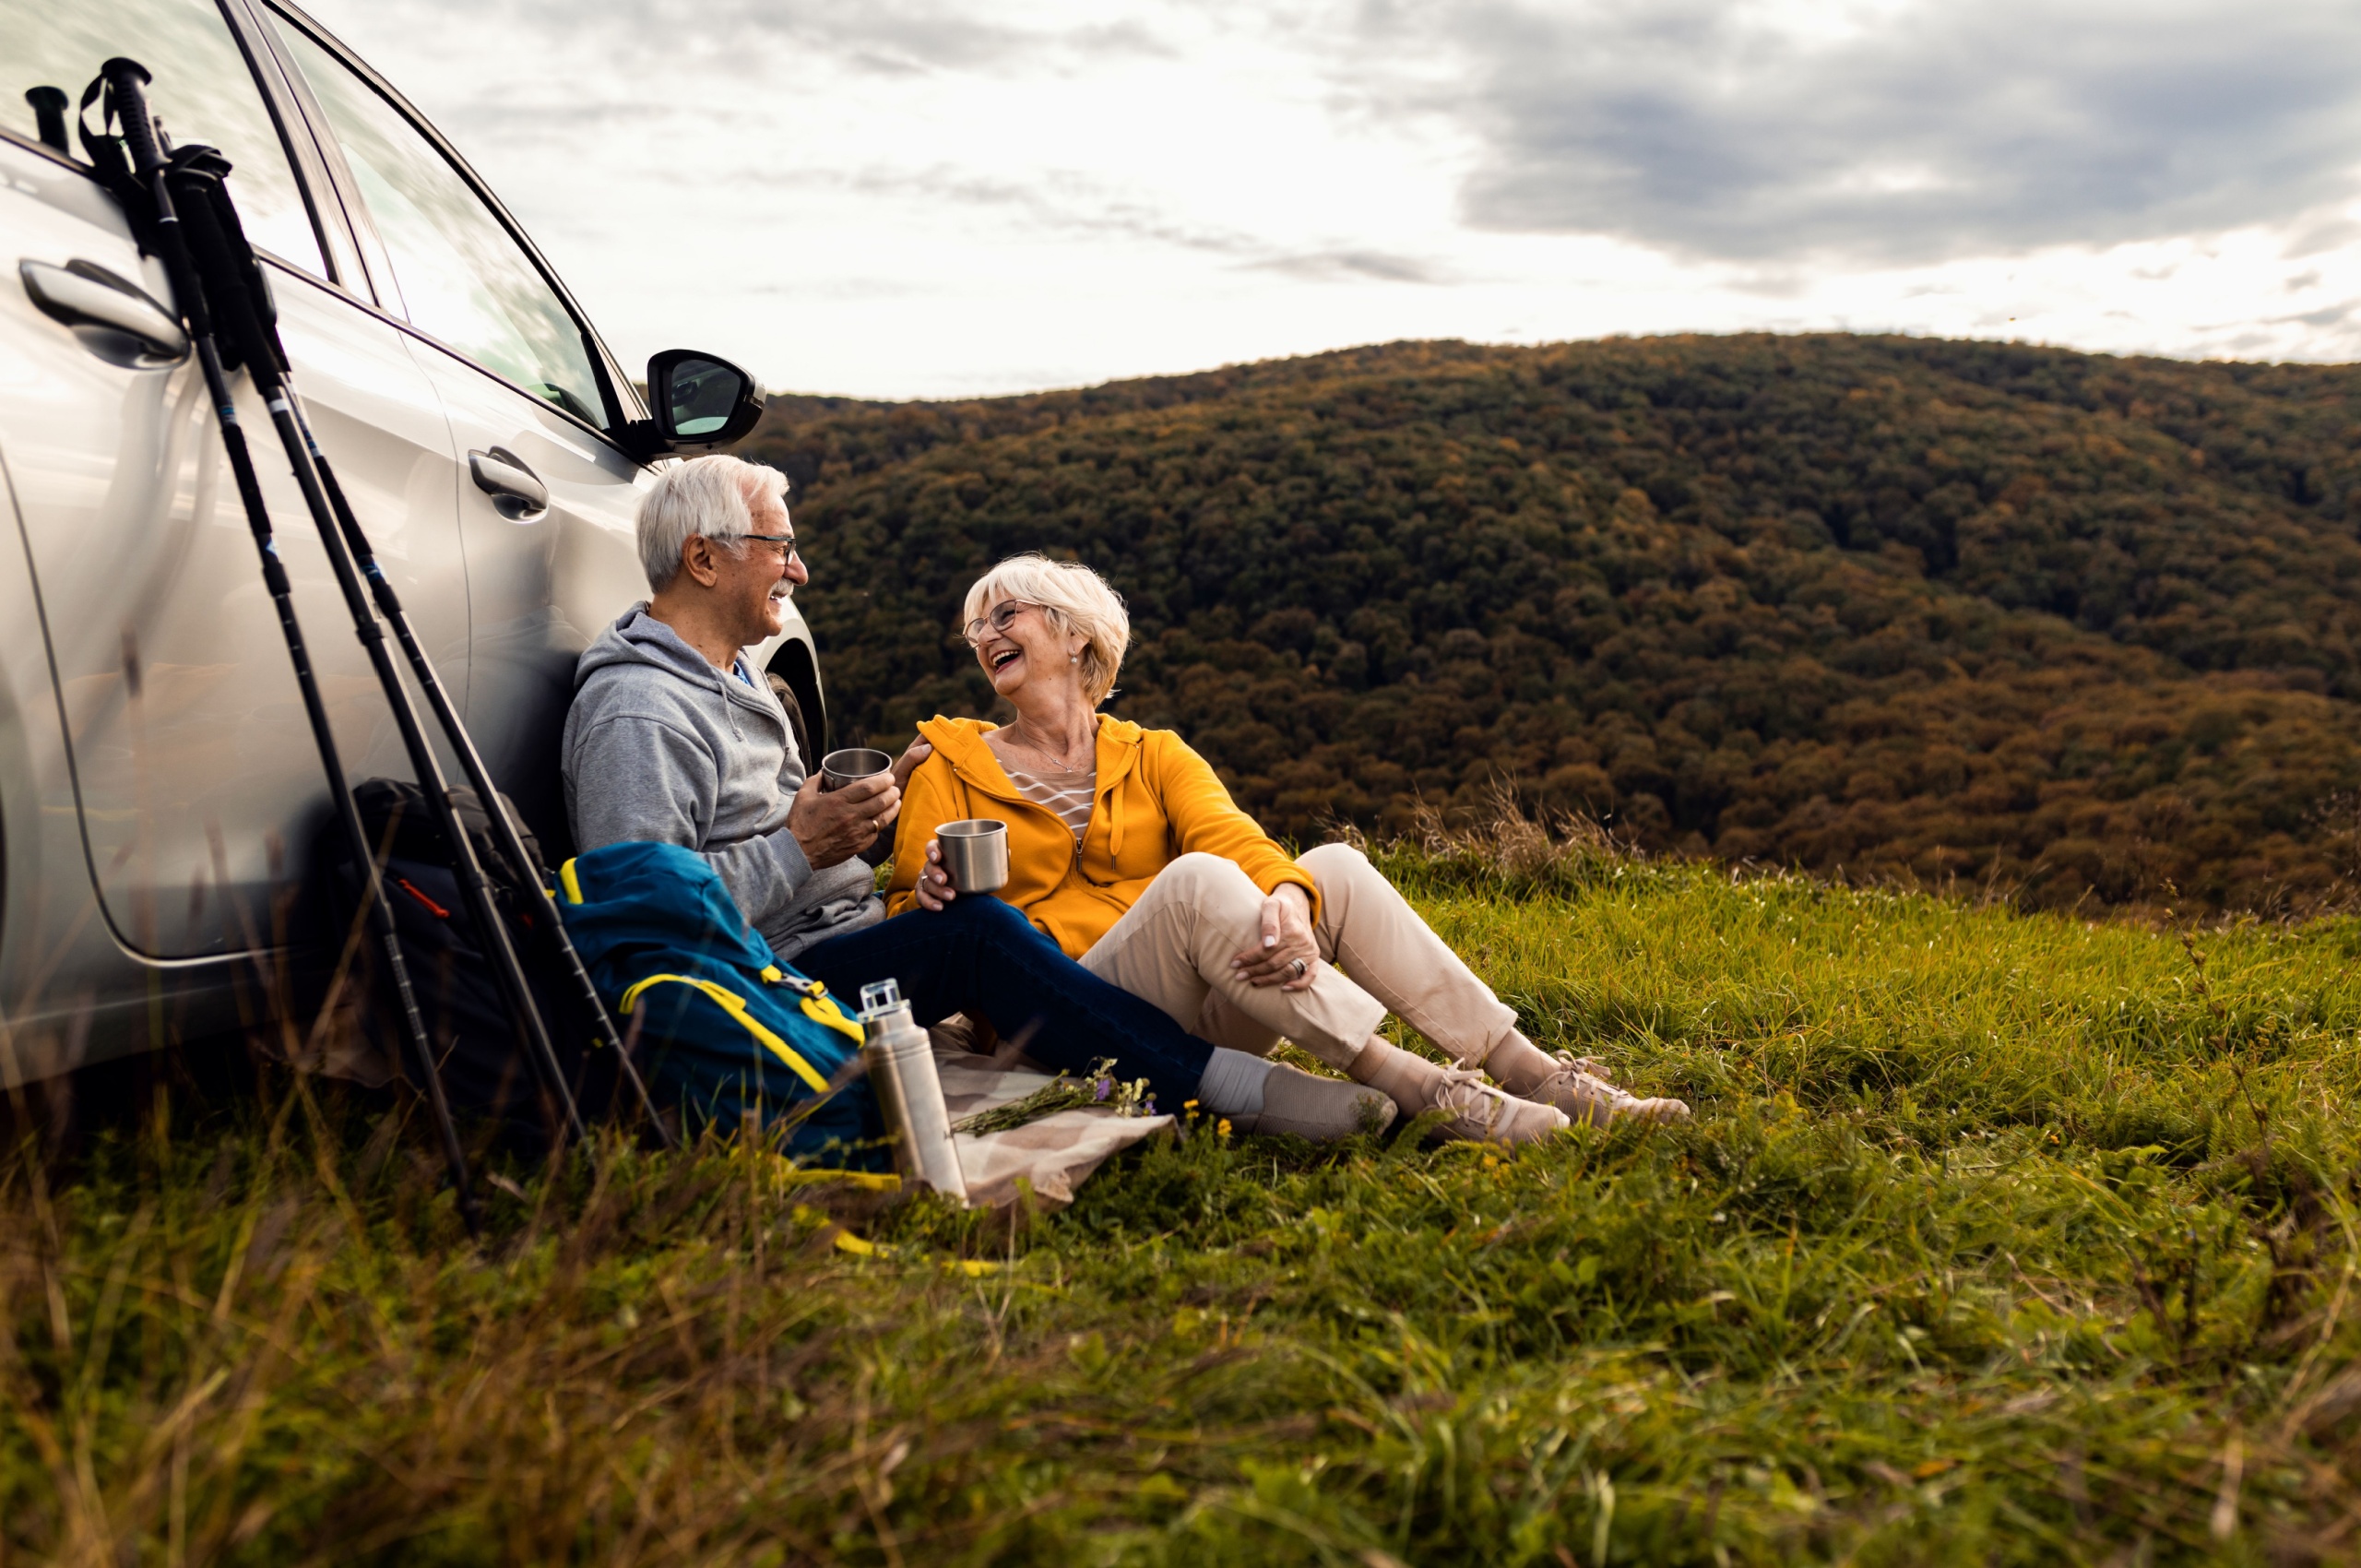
[{"x": 725, "y": 1031}]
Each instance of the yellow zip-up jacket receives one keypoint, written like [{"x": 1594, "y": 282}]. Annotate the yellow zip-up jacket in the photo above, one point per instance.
[{"x": 1155, "y": 801}]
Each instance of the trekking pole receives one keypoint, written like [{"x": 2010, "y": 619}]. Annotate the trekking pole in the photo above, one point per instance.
[
  {"x": 510, "y": 840},
  {"x": 239, "y": 300},
  {"x": 217, "y": 229},
  {"x": 123, "y": 81},
  {"x": 213, "y": 223}
]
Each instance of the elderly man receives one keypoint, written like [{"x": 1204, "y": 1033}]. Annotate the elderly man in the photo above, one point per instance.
[{"x": 675, "y": 738}]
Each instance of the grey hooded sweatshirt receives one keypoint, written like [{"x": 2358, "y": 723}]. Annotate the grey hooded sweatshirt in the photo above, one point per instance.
[{"x": 661, "y": 747}]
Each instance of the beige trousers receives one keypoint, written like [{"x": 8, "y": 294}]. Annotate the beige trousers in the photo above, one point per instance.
[{"x": 1173, "y": 948}]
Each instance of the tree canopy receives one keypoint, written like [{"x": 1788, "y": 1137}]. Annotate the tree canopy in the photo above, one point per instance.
[{"x": 2075, "y": 624}]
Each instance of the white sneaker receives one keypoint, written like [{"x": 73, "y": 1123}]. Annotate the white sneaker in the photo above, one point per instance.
[
  {"x": 1581, "y": 1091},
  {"x": 1482, "y": 1112}
]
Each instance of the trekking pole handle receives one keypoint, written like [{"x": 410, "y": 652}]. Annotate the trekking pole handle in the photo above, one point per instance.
[{"x": 128, "y": 82}]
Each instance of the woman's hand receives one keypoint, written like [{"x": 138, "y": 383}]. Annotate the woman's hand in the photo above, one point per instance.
[
  {"x": 933, "y": 887},
  {"x": 1286, "y": 938}
]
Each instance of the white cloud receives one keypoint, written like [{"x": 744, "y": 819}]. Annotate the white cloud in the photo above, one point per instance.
[
  {"x": 897, "y": 199},
  {"x": 1929, "y": 131}
]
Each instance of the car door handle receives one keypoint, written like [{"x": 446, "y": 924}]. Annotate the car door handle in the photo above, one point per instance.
[
  {"x": 517, "y": 491},
  {"x": 114, "y": 317}
]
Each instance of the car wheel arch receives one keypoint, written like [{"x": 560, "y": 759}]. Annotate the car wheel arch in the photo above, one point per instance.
[{"x": 795, "y": 675}]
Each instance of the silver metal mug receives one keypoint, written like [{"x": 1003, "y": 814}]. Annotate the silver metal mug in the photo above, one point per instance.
[
  {"x": 975, "y": 854},
  {"x": 839, "y": 768}
]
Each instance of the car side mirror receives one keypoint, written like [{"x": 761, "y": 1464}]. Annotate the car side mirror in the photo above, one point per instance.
[{"x": 700, "y": 401}]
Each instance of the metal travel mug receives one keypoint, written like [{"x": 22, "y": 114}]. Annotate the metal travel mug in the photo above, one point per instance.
[
  {"x": 839, "y": 768},
  {"x": 900, "y": 1060},
  {"x": 853, "y": 762},
  {"x": 975, "y": 854}
]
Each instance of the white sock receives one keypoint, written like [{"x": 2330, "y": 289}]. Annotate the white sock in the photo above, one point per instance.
[{"x": 1233, "y": 1083}]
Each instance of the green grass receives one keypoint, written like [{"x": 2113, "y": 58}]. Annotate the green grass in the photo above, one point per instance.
[{"x": 1997, "y": 1238}]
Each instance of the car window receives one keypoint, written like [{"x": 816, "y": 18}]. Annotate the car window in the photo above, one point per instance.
[
  {"x": 203, "y": 92},
  {"x": 462, "y": 275}
]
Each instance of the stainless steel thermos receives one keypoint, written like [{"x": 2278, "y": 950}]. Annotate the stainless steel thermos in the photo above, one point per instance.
[{"x": 900, "y": 1060}]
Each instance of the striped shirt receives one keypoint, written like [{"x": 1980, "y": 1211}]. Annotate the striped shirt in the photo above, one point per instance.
[{"x": 1067, "y": 794}]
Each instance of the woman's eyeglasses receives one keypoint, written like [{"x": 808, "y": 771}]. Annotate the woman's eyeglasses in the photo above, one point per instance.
[{"x": 998, "y": 620}]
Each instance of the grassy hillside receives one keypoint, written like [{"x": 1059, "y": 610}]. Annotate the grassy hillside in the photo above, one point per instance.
[
  {"x": 2000, "y": 1238},
  {"x": 2075, "y": 626}
]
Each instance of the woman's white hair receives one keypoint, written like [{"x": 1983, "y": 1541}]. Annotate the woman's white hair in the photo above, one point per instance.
[
  {"x": 704, "y": 495},
  {"x": 1075, "y": 599}
]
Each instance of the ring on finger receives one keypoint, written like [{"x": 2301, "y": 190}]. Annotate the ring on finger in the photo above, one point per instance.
[{"x": 1300, "y": 967}]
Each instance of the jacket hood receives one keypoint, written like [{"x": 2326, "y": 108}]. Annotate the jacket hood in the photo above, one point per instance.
[
  {"x": 637, "y": 637},
  {"x": 960, "y": 743},
  {"x": 639, "y": 641}
]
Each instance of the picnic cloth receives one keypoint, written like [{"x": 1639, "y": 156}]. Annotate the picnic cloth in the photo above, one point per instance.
[{"x": 1056, "y": 1154}]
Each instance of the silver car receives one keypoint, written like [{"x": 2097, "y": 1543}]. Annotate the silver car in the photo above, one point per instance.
[{"x": 157, "y": 777}]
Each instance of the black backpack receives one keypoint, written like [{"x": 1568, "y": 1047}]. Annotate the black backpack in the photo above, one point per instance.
[{"x": 483, "y": 1062}]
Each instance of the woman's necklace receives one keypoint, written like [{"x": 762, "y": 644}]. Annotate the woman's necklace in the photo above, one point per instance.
[{"x": 1038, "y": 749}]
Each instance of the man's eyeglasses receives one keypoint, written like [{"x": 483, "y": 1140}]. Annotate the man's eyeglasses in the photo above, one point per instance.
[
  {"x": 1008, "y": 610},
  {"x": 785, "y": 542}
]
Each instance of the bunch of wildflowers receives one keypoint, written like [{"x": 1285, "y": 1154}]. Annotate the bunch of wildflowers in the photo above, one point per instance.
[{"x": 1098, "y": 1088}]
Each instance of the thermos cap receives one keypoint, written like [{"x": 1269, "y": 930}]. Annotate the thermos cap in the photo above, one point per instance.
[{"x": 881, "y": 996}]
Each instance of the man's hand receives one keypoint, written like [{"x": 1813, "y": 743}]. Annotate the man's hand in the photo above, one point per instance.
[
  {"x": 907, "y": 764},
  {"x": 1286, "y": 940},
  {"x": 834, "y": 826},
  {"x": 934, "y": 889}
]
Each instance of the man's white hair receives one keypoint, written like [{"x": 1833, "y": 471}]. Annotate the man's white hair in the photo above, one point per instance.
[
  {"x": 1075, "y": 599},
  {"x": 704, "y": 495}
]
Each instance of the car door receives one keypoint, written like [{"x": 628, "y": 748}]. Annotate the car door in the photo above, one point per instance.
[
  {"x": 544, "y": 501},
  {"x": 192, "y": 764}
]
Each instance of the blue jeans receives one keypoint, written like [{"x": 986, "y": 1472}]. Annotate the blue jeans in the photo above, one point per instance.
[{"x": 980, "y": 957}]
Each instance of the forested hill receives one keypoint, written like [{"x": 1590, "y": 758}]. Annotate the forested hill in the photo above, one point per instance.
[{"x": 2083, "y": 626}]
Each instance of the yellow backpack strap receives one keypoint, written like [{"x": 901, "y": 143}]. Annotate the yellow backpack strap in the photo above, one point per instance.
[
  {"x": 818, "y": 1005},
  {"x": 732, "y": 1004},
  {"x": 572, "y": 884}
]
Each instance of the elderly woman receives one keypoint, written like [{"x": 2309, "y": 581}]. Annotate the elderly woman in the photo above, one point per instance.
[{"x": 1126, "y": 850}]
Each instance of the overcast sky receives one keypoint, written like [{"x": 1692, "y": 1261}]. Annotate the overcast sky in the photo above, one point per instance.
[{"x": 904, "y": 199}]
